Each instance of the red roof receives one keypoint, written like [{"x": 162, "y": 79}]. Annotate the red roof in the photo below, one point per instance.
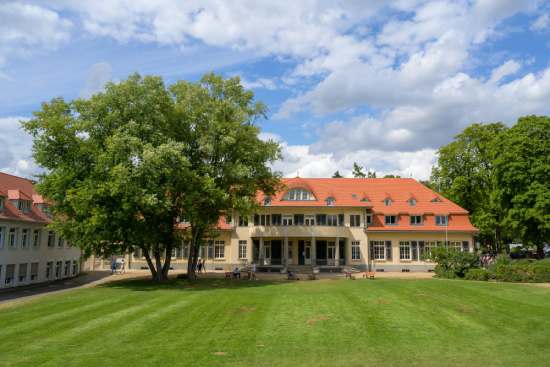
[
  {"x": 18, "y": 188},
  {"x": 371, "y": 193}
]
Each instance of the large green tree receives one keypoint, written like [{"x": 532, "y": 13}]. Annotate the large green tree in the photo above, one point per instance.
[
  {"x": 357, "y": 171},
  {"x": 124, "y": 167},
  {"x": 465, "y": 174},
  {"x": 522, "y": 174}
]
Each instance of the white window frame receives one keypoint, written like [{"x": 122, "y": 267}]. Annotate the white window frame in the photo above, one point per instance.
[
  {"x": 405, "y": 252},
  {"x": 309, "y": 220},
  {"x": 74, "y": 270},
  {"x": 12, "y": 239},
  {"x": 299, "y": 194},
  {"x": 35, "y": 267},
  {"x": 51, "y": 239},
  {"x": 243, "y": 247},
  {"x": 49, "y": 270},
  {"x": 219, "y": 249},
  {"x": 388, "y": 201},
  {"x": 457, "y": 245},
  {"x": 2, "y": 237},
  {"x": 428, "y": 246},
  {"x": 378, "y": 250},
  {"x": 442, "y": 220},
  {"x": 369, "y": 218},
  {"x": 25, "y": 237},
  {"x": 67, "y": 268},
  {"x": 9, "y": 278},
  {"x": 355, "y": 220},
  {"x": 22, "y": 275},
  {"x": 332, "y": 220},
  {"x": 356, "y": 250},
  {"x": 287, "y": 220},
  {"x": 416, "y": 223},
  {"x": 389, "y": 216},
  {"x": 58, "y": 269},
  {"x": 36, "y": 238}
]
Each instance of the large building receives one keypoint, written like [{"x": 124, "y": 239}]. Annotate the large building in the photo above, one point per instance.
[
  {"x": 384, "y": 224},
  {"x": 29, "y": 252}
]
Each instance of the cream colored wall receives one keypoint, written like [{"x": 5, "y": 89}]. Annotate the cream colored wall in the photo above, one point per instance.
[{"x": 41, "y": 254}]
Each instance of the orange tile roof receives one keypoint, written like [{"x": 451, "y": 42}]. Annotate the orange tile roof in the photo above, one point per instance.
[{"x": 18, "y": 188}]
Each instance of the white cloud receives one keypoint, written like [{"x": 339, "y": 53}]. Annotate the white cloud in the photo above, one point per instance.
[
  {"x": 259, "y": 83},
  {"x": 26, "y": 29},
  {"x": 16, "y": 148},
  {"x": 98, "y": 75},
  {"x": 541, "y": 23},
  {"x": 510, "y": 67}
]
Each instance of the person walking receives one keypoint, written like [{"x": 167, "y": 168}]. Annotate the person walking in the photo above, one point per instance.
[
  {"x": 113, "y": 266},
  {"x": 254, "y": 271},
  {"x": 203, "y": 266},
  {"x": 199, "y": 266},
  {"x": 122, "y": 266}
]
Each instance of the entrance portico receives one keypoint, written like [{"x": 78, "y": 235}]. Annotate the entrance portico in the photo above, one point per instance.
[{"x": 280, "y": 252}]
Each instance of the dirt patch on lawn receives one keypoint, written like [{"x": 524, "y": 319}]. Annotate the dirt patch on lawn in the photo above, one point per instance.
[
  {"x": 245, "y": 309},
  {"x": 466, "y": 309},
  {"x": 219, "y": 353},
  {"x": 317, "y": 319},
  {"x": 382, "y": 301}
]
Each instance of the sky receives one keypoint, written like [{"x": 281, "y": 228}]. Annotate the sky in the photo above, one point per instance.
[{"x": 383, "y": 84}]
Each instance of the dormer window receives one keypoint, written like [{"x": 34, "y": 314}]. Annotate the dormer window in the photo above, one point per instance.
[
  {"x": 299, "y": 194},
  {"x": 412, "y": 202},
  {"x": 267, "y": 201},
  {"x": 436, "y": 200},
  {"x": 330, "y": 201},
  {"x": 365, "y": 199},
  {"x": 387, "y": 202},
  {"x": 23, "y": 205},
  {"x": 1, "y": 203}
]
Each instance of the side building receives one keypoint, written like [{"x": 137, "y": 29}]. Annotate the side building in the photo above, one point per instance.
[
  {"x": 383, "y": 224},
  {"x": 29, "y": 252}
]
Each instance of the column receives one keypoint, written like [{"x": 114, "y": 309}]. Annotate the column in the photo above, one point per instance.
[
  {"x": 262, "y": 251},
  {"x": 313, "y": 252},
  {"x": 285, "y": 252},
  {"x": 337, "y": 254}
]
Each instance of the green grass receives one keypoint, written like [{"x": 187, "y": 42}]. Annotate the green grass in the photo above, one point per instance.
[{"x": 317, "y": 323}]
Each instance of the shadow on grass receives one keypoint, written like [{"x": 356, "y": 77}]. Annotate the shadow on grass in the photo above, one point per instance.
[{"x": 205, "y": 284}]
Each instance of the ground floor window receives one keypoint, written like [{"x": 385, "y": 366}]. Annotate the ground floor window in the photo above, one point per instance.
[
  {"x": 455, "y": 245},
  {"x": 67, "y": 268},
  {"x": 219, "y": 249},
  {"x": 242, "y": 249},
  {"x": 22, "y": 272},
  {"x": 378, "y": 250},
  {"x": 58, "y": 266},
  {"x": 10, "y": 274},
  {"x": 75, "y": 267},
  {"x": 355, "y": 250},
  {"x": 331, "y": 250},
  {"x": 34, "y": 271},
  {"x": 404, "y": 250},
  {"x": 49, "y": 269}
]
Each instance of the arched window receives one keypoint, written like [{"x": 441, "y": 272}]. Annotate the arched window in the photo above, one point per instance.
[
  {"x": 387, "y": 201},
  {"x": 330, "y": 201},
  {"x": 267, "y": 201},
  {"x": 299, "y": 194},
  {"x": 412, "y": 202}
]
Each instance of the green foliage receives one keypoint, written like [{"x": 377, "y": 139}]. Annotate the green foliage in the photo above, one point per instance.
[
  {"x": 125, "y": 165},
  {"x": 337, "y": 175},
  {"x": 452, "y": 263},
  {"x": 358, "y": 171},
  {"x": 392, "y": 176},
  {"x": 531, "y": 271},
  {"x": 477, "y": 274},
  {"x": 522, "y": 172}
]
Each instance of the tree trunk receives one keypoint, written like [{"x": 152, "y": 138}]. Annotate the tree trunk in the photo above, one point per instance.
[
  {"x": 150, "y": 263},
  {"x": 196, "y": 239},
  {"x": 167, "y": 260}
]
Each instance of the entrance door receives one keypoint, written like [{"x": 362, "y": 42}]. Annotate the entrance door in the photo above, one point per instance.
[
  {"x": 304, "y": 252},
  {"x": 276, "y": 252},
  {"x": 321, "y": 254},
  {"x": 256, "y": 250}
]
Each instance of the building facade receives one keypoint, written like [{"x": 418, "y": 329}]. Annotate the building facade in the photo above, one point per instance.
[
  {"x": 385, "y": 224},
  {"x": 29, "y": 252}
]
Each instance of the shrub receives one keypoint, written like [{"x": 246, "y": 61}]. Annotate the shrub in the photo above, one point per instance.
[
  {"x": 477, "y": 274},
  {"x": 506, "y": 270},
  {"x": 452, "y": 263}
]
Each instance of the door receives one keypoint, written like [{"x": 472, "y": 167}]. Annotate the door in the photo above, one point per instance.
[
  {"x": 301, "y": 252},
  {"x": 276, "y": 252}
]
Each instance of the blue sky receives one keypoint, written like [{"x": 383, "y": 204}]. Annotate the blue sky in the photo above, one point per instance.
[{"x": 345, "y": 81}]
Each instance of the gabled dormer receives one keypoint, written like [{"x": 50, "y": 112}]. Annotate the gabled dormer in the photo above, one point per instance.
[
  {"x": 388, "y": 201},
  {"x": 2, "y": 201},
  {"x": 299, "y": 194},
  {"x": 22, "y": 202},
  {"x": 330, "y": 201},
  {"x": 411, "y": 200},
  {"x": 436, "y": 199}
]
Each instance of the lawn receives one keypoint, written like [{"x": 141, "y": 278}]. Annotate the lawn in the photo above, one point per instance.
[{"x": 385, "y": 322}]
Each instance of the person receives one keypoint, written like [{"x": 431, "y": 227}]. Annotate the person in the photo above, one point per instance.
[
  {"x": 122, "y": 266},
  {"x": 254, "y": 271},
  {"x": 199, "y": 265},
  {"x": 203, "y": 266},
  {"x": 113, "y": 266},
  {"x": 236, "y": 273}
]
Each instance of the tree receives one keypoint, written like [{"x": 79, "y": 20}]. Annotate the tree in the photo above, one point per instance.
[
  {"x": 358, "y": 171},
  {"x": 392, "y": 176},
  {"x": 522, "y": 175},
  {"x": 337, "y": 175},
  {"x": 371, "y": 174},
  {"x": 464, "y": 174},
  {"x": 125, "y": 166}
]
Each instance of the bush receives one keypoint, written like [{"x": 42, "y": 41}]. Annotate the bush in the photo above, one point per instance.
[
  {"x": 520, "y": 270},
  {"x": 452, "y": 263},
  {"x": 477, "y": 274}
]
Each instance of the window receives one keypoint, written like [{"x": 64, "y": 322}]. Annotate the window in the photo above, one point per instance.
[
  {"x": 378, "y": 250},
  {"x": 416, "y": 220},
  {"x": 267, "y": 201},
  {"x": 369, "y": 218},
  {"x": 12, "y": 238},
  {"x": 36, "y": 238},
  {"x": 441, "y": 220},
  {"x": 298, "y": 195},
  {"x": 332, "y": 220},
  {"x": 22, "y": 273},
  {"x": 51, "y": 238},
  {"x": 24, "y": 205},
  {"x": 404, "y": 250},
  {"x": 228, "y": 219},
  {"x": 49, "y": 269},
  {"x": 341, "y": 219},
  {"x": 219, "y": 249},
  {"x": 242, "y": 249},
  {"x": 60, "y": 242},
  {"x": 298, "y": 219},
  {"x": 290, "y": 250},
  {"x": 310, "y": 220},
  {"x": 10, "y": 274},
  {"x": 426, "y": 249},
  {"x": 355, "y": 250},
  {"x": 58, "y": 266},
  {"x": 2, "y": 234},
  {"x": 436, "y": 200},
  {"x": 210, "y": 249},
  {"x": 355, "y": 220},
  {"x": 387, "y": 202},
  {"x": 330, "y": 201},
  {"x": 75, "y": 267},
  {"x": 34, "y": 271},
  {"x": 390, "y": 220},
  {"x": 262, "y": 219},
  {"x": 1, "y": 203},
  {"x": 321, "y": 219},
  {"x": 243, "y": 221},
  {"x": 331, "y": 250},
  {"x": 287, "y": 220},
  {"x": 67, "y": 269},
  {"x": 455, "y": 245},
  {"x": 412, "y": 202},
  {"x": 276, "y": 219},
  {"x": 24, "y": 238}
]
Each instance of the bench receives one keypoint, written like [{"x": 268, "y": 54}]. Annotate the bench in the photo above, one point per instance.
[{"x": 369, "y": 274}]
